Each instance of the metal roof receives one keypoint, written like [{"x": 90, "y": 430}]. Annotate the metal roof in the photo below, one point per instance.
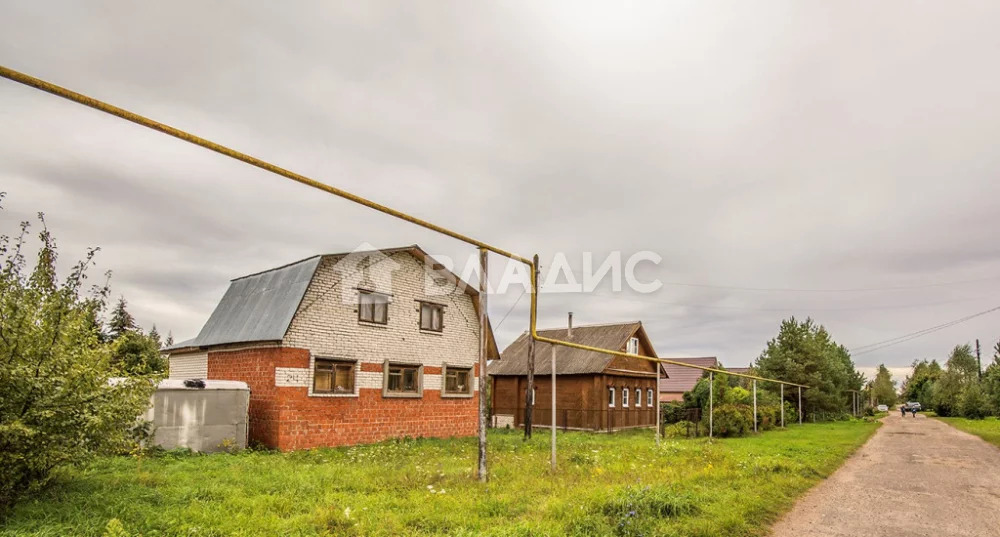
[
  {"x": 258, "y": 307},
  {"x": 682, "y": 379},
  {"x": 569, "y": 361}
]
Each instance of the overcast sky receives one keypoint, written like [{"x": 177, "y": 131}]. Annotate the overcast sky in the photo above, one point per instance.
[{"x": 812, "y": 146}]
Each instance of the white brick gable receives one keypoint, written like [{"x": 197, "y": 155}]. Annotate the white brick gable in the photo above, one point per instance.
[{"x": 328, "y": 327}]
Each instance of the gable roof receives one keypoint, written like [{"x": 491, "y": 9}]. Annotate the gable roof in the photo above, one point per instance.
[
  {"x": 682, "y": 379},
  {"x": 514, "y": 359},
  {"x": 259, "y": 307}
]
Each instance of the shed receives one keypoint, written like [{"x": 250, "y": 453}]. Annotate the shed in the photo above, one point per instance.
[{"x": 202, "y": 415}]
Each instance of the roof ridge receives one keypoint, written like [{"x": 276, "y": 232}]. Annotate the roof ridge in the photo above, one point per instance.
[
  {"x": 593, "y": 325},
  {"x": 286, "y": 265}
]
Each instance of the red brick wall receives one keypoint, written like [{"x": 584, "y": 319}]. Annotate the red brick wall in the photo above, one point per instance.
[
  {"x": 256, "y": 368},
  {"x": 287, "y": 418}
]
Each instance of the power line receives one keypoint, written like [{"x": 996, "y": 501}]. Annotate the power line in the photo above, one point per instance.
[
  {"x": 653, "y": 300},
  {"x": 514, "y": 305},
  {"x": 844, "y": 290},
  {"x": 872, "y": 347}
]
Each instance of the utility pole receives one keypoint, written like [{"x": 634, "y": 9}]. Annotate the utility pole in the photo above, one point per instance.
[
  {"x": 979, "y": 360},
  {"x": 529, "y": 399},
  {"x": 483, "y": 347}
]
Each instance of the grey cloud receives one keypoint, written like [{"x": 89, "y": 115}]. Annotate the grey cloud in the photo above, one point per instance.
[{"x": 785, "y": 145}]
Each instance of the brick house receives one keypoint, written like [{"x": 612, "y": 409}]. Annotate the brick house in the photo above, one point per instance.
[
  {"x": 346, "y": 348},
  {"x": 594, "y": 391}
]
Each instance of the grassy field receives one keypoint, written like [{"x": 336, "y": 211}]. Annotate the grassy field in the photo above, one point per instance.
[
  {"x": 619, "y": 484},
  {"x": 988, "y": 429}
]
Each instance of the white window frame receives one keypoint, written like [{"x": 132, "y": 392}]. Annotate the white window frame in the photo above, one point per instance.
[
  {"x": 625, "y": 391},
  {"x": 312, "y": 379},
  {"x": 638, "y": 397},
  {"x": 633, "y": 346},
  {"x": 649, "y": 397},
  {"x": 611, "y": 396}
]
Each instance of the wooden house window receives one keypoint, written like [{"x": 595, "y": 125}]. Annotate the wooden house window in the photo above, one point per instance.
[
  {"x": 649, "y": 397},
  {"x": 431, "y": 317},
  {"x": 611, "y": 396},
  {"x": 624, "y": 397},
  {"x": 373, "y": 307},
  {"x": 633, "y": 346},
  {"x": 638, "y": 398},
  {"x": 457, "y": 380},
  {"x": 333, "y": 376},
  {"x": 402, "y": 380}
]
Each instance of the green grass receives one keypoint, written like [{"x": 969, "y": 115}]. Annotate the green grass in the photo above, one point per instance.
[
  {"x": 988, "y": 429},
  {"x": 619, "y": 484}
]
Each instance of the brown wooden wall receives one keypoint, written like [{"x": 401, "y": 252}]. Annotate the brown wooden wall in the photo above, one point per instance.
[{"x": 581, "y": 400}]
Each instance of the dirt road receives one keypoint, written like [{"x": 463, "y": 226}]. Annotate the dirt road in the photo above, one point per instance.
[{"x": 915, "y": 477}]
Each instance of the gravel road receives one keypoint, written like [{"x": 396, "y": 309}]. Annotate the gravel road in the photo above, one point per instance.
[{"x": 916, "y": 477}]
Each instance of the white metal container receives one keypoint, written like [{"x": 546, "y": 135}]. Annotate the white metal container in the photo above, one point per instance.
[{"x": 209, "y": 418}]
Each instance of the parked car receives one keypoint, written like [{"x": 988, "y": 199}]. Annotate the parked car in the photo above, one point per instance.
[
  {"x": 913, "y": 405},
  {"x": 883, "y": 408}
]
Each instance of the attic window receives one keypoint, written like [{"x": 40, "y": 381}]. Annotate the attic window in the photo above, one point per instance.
[
  {"x": 373, "y": 307},
  {"x": 431, "y": 317},
  {"x": 633, "y": 346}
]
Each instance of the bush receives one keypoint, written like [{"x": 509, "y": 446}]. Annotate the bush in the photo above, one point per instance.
[
  {"x": 973, "y": 404},
  {"x": 57, "y": 403},
  {"x": 673, "y": 412},
  {"x": 732, "y": 420}
]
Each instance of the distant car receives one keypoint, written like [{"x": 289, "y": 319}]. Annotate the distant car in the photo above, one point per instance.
[
  {"x": 913, "y": 405},
  {"x": 883, "y": 408}
]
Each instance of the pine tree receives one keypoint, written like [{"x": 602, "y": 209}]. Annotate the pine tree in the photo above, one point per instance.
[
  {"x": 121, "y": 320},
  {"x": 170, "y": 339},
  {"x": 155, "y": 336}
]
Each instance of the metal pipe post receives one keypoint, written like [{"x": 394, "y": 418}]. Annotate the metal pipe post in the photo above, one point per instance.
[
  {"x": 552, "y": 463},
  {"x": 782, "y": 406},
  {"x": 755, "y": 406},
  {"x": 483, "y": 346},
  {"x": 658, "y": 367},
  {"x": 711, "y": 410},
  {"x": 800, "y": 406}
]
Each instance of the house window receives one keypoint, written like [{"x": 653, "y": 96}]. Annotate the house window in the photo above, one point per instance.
[
  {"x": 373, "y": 307},
  {"x": 633, "y": 346},
  {"x": 638, "y": 398},
  {"x": 611, "y": 396},
  {"x": 431, "y": 316},
  {"x": 333, "y": 376},
  {"x": 624, "y": 397},
  {"x": 403, "y": 380},
  {"x": 534, "y": 395},
  {"x": 457, "y": 380},
  {"x": 649, "y": 397}
]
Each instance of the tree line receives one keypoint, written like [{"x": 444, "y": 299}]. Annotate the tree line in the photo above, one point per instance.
[{"x": 959, "y": 388}]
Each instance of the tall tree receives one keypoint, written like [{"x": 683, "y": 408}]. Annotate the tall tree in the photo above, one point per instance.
[
  {"x": 155, "y": 336},
  {"x": 170, "y": 339},
  {"x": 804, "y": 353},
  {"x": 121, "y": 320},
  {"x": 882, "y": 386},
  {"x": 57, "y": 406}
]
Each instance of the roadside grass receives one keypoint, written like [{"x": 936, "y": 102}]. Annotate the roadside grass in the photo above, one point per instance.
[
  {"x": 988, "y": 428},
  {"x": 620, "y": 484}
]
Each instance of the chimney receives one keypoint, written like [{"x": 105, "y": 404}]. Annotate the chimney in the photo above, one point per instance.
[{"x": 569, "y": 330}]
